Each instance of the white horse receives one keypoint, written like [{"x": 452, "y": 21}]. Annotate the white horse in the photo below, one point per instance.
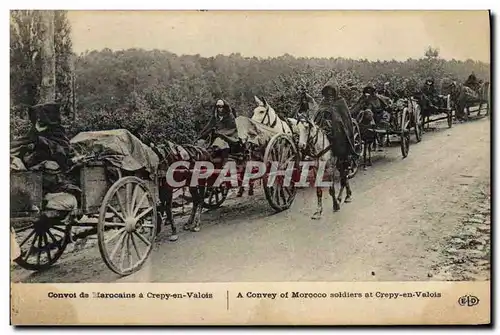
[
  {"x": 314, "y": 143},
  {"x": 266, "y": 115}
]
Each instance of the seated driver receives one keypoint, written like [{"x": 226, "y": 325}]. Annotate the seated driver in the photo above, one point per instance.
[
  {"x": 223, "y": 125},
  {"x": 380, "y": 106},
  {"x": 46, "y": 148}
]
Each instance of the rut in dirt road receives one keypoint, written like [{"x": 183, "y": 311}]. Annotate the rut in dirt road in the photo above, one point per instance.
[{"x": 402, "y": 214}]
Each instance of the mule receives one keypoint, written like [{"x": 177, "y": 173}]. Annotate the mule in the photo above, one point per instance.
[
  {"x": 369, "y": 137},
  {"x": 314, "y": 142},
  {"x": 170, "y": 153}
]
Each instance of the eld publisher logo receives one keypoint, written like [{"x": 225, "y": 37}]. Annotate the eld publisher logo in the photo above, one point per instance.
[{"x": 468, "y": 300}]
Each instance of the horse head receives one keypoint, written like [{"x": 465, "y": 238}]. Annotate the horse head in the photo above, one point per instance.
[
  {"x": 263, "y": 113},
  {"x": 304, "y": 128}
]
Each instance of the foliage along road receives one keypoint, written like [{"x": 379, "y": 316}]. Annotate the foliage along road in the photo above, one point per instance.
[{"x": 398, "y": 227}]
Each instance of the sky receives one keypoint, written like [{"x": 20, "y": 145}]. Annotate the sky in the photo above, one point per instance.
[{"x": 373, "y": 35}]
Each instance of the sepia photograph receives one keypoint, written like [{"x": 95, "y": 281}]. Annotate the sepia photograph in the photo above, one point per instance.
[{"x": 203, "y": 147}]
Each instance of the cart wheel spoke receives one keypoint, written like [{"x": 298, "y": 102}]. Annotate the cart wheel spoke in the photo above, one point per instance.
[
  {"x": 129, "y": 252},
  {"x": 124, "y": 251},
  {"x": 47, "y": 247},
  {"x": 39, "y": 249},
  {"x": 118, "y": 245},
  {"x": 115, "y": 235},
  {"x": 142, "y": 238},
  {"x": 32, "y": 247},
  {"x": 139, "y": 257},
  {"x": 27, "y": 238},
  {"x": 123, "y": 206},
  {"x": 119, "y": 215},
  {"x": 128, "y": 197},
  {"x": 136, "y": 209},
  {"x": 59, "y": 229},
  {"x": 146, "y": 211}
]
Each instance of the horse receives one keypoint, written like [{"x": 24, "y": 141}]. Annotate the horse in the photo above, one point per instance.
[
  {"x": 266, "y": 115},
  {"x": 367, "y": 126},
  {"x": 463, "y": 97},
  {"x": 314, "y": 142},
  {"x": 170, "y": 153}
]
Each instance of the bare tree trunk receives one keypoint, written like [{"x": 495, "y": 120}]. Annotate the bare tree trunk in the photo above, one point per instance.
[
  {"x": 48, "y": 84},
  {"x": 73, "y": 90}
]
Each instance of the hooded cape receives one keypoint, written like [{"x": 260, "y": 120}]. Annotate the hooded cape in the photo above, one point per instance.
[
  {"x": 333, "y": 116},
  {"x": 227, "y": 124}
]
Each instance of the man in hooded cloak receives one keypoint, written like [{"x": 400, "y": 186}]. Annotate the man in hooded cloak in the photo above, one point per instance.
[{"x": 333, "y": 116}]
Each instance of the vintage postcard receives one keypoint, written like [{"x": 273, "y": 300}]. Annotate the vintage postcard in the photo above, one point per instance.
[{"x": 250, "y": 167}]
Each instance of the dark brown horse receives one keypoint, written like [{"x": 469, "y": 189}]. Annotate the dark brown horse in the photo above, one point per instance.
[{"x": 170, "y": 153}]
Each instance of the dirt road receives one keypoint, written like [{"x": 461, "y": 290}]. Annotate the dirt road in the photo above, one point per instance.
[{"x": 409, "y": 220}]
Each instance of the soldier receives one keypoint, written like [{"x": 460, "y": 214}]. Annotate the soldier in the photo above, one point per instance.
[
  {"x": 472, "y": 81},
  {"x": 223, "y": 119}
]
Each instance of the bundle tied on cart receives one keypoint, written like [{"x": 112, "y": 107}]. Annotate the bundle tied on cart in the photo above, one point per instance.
[
  {"x": 253, "y": 132},
  {"x": 119, "y": 150}
]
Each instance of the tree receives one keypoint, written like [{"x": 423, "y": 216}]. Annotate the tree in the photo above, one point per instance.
[
  {"x": 27, "y": 47},
  {"x": 431, "y": 53},
  {"x": 47, "y": 53}
]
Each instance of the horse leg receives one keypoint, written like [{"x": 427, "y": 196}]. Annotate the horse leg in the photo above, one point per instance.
[
  {"x": 195, "y": 199},
  {"x": 365, "y": 148},
  {"x": 336, "y": 205},
  {"x": 250, "y": 188},
  {"x": 381, "y": 142},
  {"x": 240, "y": 192},
  {"x": 342, "y": 168},
  {"x": 170, "y": 218},
  {"x": 319, "y": 210},
  {"x": 344, "y": 180},
  {"x": 197, "y": 213},
  {"x": 370, "y": 153}
]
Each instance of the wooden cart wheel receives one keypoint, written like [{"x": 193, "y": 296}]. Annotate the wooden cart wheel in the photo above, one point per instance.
[
  {"x": 405, "y": 132},
  {"x": 358, "y": 147},
  {"x": 42, "y": 243},
  {"x": 280, "y": 151},
  {"x": 215, "y": 197},
  {"x": 126, "y": 239},
  {"x": 418, "y": 123}
]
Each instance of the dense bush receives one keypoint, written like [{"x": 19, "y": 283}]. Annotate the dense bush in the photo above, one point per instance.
[{"x": 157, "y": 94}]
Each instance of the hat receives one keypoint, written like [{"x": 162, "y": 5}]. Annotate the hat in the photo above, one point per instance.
[
  {"x": 45, "y": 113},
  {"x": 220, "y": 103}
]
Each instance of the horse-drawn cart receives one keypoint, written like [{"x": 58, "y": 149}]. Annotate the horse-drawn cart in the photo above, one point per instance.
[
  {"x": 118, "y": 203},
  {"x": 403, "y": 117},
  {"x": 441, "y": 110},
  {"x": 263, "y": 144}
]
